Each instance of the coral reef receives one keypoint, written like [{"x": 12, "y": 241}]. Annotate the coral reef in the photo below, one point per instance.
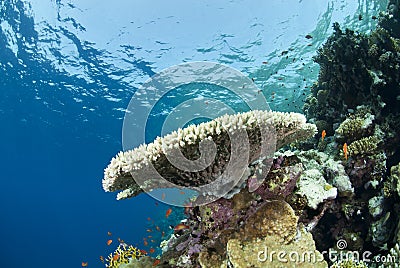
[
  {"x": 357, "y": 98},
  {"x": 338, "y": 189},
  {"x": 272, "y": 228},
  {"x": 285, "y": 128},
  {"x": 217, "y": 231}
]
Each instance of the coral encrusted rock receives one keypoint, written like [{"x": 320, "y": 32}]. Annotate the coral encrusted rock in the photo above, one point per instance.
[{"x": 271, "y": 239}]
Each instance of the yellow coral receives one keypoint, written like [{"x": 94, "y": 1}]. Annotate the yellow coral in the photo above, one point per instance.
[
  {"x": 364, "y": 146},
  {"x": 123, "y": 254},
  {"x": 355, "y": 127}
]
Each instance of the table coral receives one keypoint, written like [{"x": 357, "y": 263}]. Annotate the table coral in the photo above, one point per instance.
[{"x": 285, "y": 128}]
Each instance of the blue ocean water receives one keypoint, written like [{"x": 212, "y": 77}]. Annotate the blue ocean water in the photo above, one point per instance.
[{"x": 67, "y": 72}]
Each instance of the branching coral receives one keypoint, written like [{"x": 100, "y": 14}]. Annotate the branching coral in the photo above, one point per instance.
[
  {"x": 364, "y": 146},
  {"x": 122, "y": 255},
  {"x": 285, "y": 128},
  {"x": 354, "y": 127}
]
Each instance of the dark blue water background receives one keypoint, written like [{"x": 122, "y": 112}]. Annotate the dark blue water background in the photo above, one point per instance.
[{"x": 67, "y": 72}]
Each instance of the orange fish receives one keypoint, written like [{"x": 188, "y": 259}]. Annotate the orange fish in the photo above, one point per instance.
[
  {"x": 115, "y": 257},
  {"x": 182, "y": 192},
  {"x": 109, "y": 233},
  {"x": 345, "y": 151},
  {"x": 145, "y": 243},
  {"x": 162, "y": 234},
  {"x": 84, "y": 264},
  {"x": 102, "y": 259},
  {"x": 180, "y": 226},
  {"x": 144, "y": 252},
  {"x": 323, "y": 134},
  {"x": 109, "y": 242},
  {"x": 168, "y": 212},
  {"x": 156, "y": 262},
  {"x": 152, "y": 250},
  {"x": 149, "y": 219}
]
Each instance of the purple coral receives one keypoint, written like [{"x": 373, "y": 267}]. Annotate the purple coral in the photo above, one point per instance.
[{"x": 280, "y": 183}]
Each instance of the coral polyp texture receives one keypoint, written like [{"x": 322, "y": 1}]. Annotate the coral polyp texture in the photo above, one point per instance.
[{"x": 278, "y": 128}]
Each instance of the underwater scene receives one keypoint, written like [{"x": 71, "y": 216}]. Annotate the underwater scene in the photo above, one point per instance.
[{"x": 205, "y": 133}]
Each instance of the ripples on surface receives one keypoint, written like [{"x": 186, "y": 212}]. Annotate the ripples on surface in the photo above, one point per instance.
[{"x": 83, "y": 61}]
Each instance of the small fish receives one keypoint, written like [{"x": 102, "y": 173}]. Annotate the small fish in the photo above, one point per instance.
[
  {"x": 149, "y": 230},
  {"x": 156, "y": 262},
  {"x": 284, "y": 52},
  {"x": 180, "y": 226},
  {"x": 360, "y": 17},
  {"x": 163, "y": 196},
  {"x": 182, "y": 192},
  {"x": 149, "y": 219},
  {"x": 145, "y": 243},
  {"x": 150, "y": 236},
  {"x": 345, "y": 152},
  {"x": 109, "y": 242},
  {"x": 84, "y": 264},
  {"x": 308, "y": 36},
  {"x": 120, "y": 240},
  {"x": 116, "y": 257},
  {"x": 144, "y": 252},
  {"x": 102, "y": 259},
  {"x": 162, "y": 234},
  {"x": 157, "y": 228},
  {"x": 374, "y": 17},
  {"x": 168, "y": 212},
  {"x": 265, "y": 62},
  {"x": 152, "y": 250},
  {"x": 156, "y": 203},
  {"x": 323, "y": 134}
]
